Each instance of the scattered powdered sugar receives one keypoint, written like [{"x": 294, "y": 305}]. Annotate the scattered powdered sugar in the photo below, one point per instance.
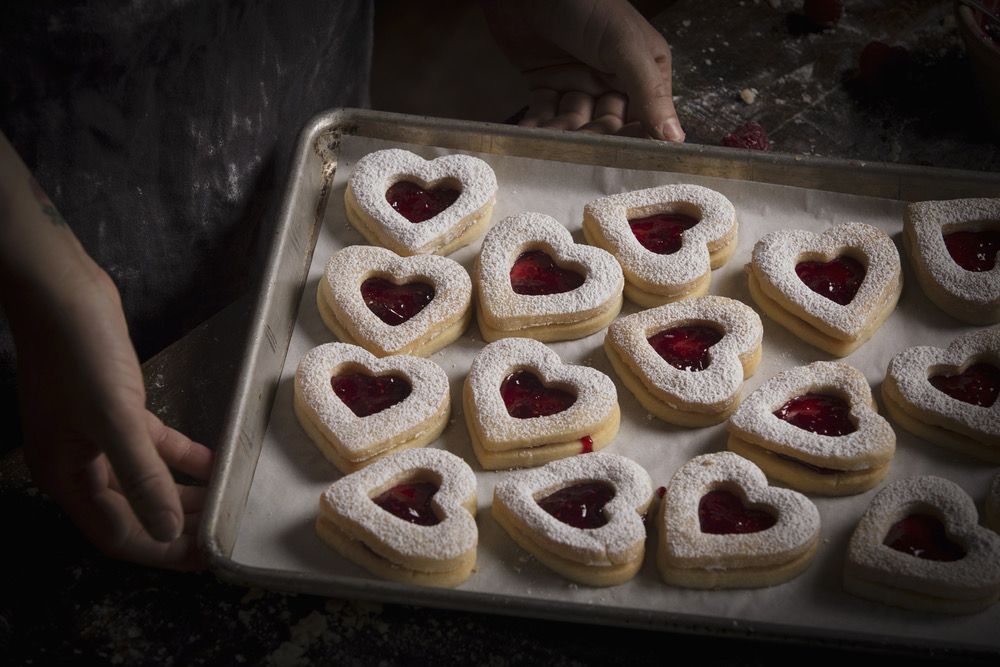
[
  {"x": 614, "y": 542},
  {"x": 912, "y": 368},
  {"x": 376, "y": 172},
  {"x": 717, "y": 384},
  {"x": 350, "y": 267},
  {"x": 974, "y": 575},
  {"x": 717, "y": 222},
  {"x": 873, "y": 443},
  {"x": 506, "y": 309},
  {"x": 596, "y": 397},
  {"x": 796, "y": 527},
  {"x": 350, "y": 498},
  {"x": 775, "y": 256},
  {"x": 355, "y": 435},
  {"x": 925, "y": 224}
]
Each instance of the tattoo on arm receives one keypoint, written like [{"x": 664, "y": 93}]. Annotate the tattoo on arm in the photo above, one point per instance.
[{"x": 44, "y": 203}]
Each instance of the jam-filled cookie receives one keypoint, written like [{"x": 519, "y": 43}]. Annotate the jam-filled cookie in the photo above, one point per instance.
[
  {"x": 722, "y": 526},
  {"x": 815, "y": 429},
  {"x": 832, "y": 290},
  {"x": 409, "y": 517},
  {"x": 667, "y": 239},
  {"x": 685, "y": 362},
  {"x": 533, "y": 281},
  {"x": 949, "y": 397},
  {"x": 525, "y": 407},
  {"x": 919, "y": 546},
  {"x": 582, "y": 517},
  {"x": 414, "y": 206},
  {"x": 357, "y": 407},
  {"x": 953, "y": 248},
  {"x": 389, "y": 304}
]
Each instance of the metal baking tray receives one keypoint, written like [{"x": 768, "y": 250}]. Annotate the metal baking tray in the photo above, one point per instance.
[{"x": 301, "y": 218}]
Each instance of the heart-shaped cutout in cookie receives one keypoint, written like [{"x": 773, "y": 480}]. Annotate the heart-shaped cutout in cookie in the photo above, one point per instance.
[
  {"x": 408, "y": 517},
  {"x": 948, "y": 396},
  {"x": 394, "y": 305},
  {"x": 685, "y": 362},
  {"x": 413, "y": 206},
  {"x": 834, "y": 289},
  {"x": 667, "y": 239},
  {"x": 815, "y": 429},
  {"x": 524, "y": 406},
  {"x": 357, "y": 407},
  {"x": 953, "y": 247},
  {"x": 722, "y": 526},
  {"x": 534, "y": 281},
  {"x": 919, "y": 545},
  {"x": 581, "y": 517}
]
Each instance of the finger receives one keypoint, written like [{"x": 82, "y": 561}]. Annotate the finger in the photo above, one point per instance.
[
  {"x": 644, "y": 68},
  {"x": 609, "y": 114},
  {"x": 575, "y": 110},
  {"x": 633, "y": 129},
  {"x": 180, "y": 452},
  {"x": 192, "y": 522},
  {"x": 192, "y": 497},
  {"x": 603, "y": 125},
  {"x": 542, "y": 104}
]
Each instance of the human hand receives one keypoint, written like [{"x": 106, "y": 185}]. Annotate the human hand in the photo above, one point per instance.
[{"x": 591, "y": 65}]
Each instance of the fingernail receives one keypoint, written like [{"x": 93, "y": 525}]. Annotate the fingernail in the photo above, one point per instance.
[
  {"x": 165, "y": 526},
  {"x": 671, "y": 129}
]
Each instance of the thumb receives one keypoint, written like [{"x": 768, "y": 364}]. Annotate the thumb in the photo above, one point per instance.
[{"x": 644, "y": 68}]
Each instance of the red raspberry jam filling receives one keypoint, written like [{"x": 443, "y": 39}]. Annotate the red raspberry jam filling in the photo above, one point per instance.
[
  {"x": 392, "y": 303},
  {"x": 837, "y": 280},
  {"x": 661, "y": 233},
  {"x": 586, "y": 444},
  {"x": 686, "y": 347},
  {"x": 818, "y": 413},
  {"x": 411, "y": 502},
  {"x": 534, "y": 273},
  {"x": 923, "y": 536},
  {"x": 978, "y": 385},
  {"x": 580, "y": 505},
  {"x": 723, "y": 513},
  {"x": 974, "y": 251},
  {"x": 525, "y": 396},
  {"x": 749, "y": 135},
  {"x": 417, "y": 204},
  {"x": 365, "y": 394}
]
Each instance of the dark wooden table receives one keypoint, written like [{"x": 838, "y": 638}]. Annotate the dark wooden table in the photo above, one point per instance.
[{"x": 63, "y": 602}]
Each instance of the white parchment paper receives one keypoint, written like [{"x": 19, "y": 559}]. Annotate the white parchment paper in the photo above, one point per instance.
[{"x": 277, "y": 527}]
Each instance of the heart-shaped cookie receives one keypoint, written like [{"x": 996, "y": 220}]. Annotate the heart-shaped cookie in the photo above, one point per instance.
[
  {"x": 815, "y": 429},
  {"x": 389, "y": 304},
  {"x": 685, "y": 362},
  {"x": 919, "y": 546},
  {"x": 722, "y": 526},
  {"x": 357, "y": 407},
  {"x": 507, "y": 432},
  {"x": 667, "y": 239},
  {"x": 408, "y": 517},
  {"x": 582, "y": 516},
  {"x": 449, "y": 201},
  {"x": 833, "y": 290},
  {"x": 526, "y": 288},
  {"x": 949, "y": 397},
  {"x": 953, "y": 247}
]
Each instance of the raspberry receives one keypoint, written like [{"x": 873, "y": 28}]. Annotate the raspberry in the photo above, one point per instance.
[
  {"x": 823, "y": 13},
  {"x": 881, "y": 65},
  {"x": 748, "y": 135}
]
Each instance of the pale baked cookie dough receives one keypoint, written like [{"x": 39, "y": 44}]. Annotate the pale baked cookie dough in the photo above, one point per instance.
[
  {"x": 933, "y": 415},
  {"x": 394, "y": 548},
  {"x": 652, "y": 279},
  {"x": 834, "y": 465},
  {"x": 679, "y": 395},
  {"x": 351, "y": 442},
  {"x": 576, "y": 313},
  {"x": 458, "y": 225},
  {"x": 610, "y": 549},
  {"x": 343, "y": 308},
  {"x": 963, "y": 578},
  {"x": 698, "y": 548},
  {"x": 971, "y": 296},
  {"x": 822, "y": 322},
  {"x": 501, "y": 440}
]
